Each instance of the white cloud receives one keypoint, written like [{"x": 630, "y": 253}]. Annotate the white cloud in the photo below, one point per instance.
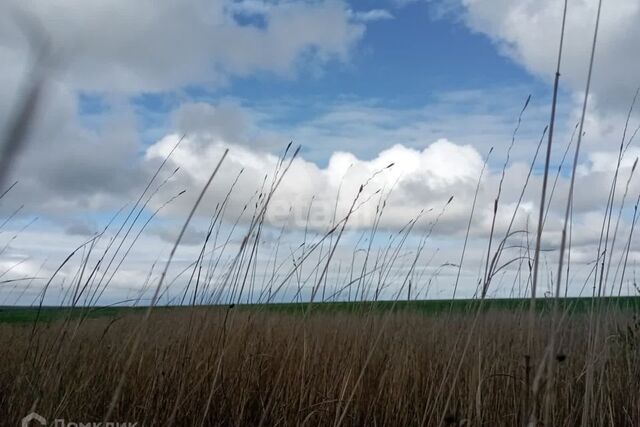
[
  {"x": 421, "y": 179},
  {"x": 372, "y": 15},
  {"x": 528, "y": 31},
  {"x": 73, "y": 164},
  {"x": 436, "y": 171},
  {"x": 160, "y": 45},
  {"x": 68, "y": 166}
]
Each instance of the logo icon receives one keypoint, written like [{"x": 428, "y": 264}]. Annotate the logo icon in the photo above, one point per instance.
[{"x": 39, "y": 419}]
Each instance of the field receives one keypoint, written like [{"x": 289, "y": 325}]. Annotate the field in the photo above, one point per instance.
[
  {"x": 24, "y": 315},
  {"x": 416, "y": 363}
]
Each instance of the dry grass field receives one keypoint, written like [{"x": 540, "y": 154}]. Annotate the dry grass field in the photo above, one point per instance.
[{"x": 244, "y": 366}]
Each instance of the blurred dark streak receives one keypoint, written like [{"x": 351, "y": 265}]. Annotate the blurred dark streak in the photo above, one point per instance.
[{"x": 20, "y": 121}]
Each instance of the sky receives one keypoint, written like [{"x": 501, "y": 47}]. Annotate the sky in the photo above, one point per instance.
[{"x": 433, "y": 87}]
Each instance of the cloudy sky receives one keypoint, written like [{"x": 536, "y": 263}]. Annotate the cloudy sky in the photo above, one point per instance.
[{"x": 428, "y": 86}]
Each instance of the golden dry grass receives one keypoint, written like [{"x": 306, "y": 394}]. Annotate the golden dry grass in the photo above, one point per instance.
[{"x": 231, "y": 367}]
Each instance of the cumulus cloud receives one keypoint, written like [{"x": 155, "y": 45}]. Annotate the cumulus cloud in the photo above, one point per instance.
[
  {"x": 420, "y": 180},
  {"x": 515, "y": 26},
  {"x": 155, "y": 46},
  {"x": 95, "y": 163},
  {"x": 76, "y": 162},
  {"x": 70, "y": 166}
]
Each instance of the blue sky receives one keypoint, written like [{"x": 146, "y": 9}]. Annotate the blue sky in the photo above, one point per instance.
[{"x": 406, "y": 61}]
